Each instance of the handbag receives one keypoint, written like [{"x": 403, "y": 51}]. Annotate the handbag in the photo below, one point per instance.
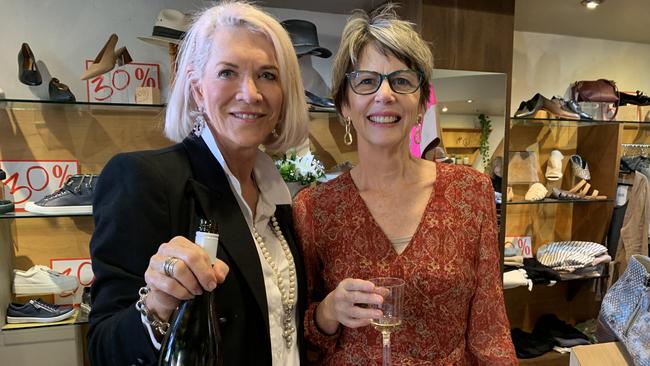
[
  {"x": 625, "y": 311},
  {"x": 598, "y": 91}
]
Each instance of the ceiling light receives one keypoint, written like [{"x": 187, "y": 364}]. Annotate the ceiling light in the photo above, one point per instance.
[
  {"x": 469, "y": 100},
  {"x": 445, "y": 109},
  {"x": 591, "y": 4}
]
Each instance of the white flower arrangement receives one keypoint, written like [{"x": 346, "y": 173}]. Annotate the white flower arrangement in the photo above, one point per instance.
[{"x": 304, "y": 169}]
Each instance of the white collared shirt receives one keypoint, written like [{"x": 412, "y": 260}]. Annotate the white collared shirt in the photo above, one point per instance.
[{"x": 273, "y": 191}]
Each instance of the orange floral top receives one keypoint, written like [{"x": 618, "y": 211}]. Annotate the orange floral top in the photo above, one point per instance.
[{"x": 453, "y": 301}]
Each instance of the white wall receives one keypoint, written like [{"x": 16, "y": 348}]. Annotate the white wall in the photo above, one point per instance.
[
  {"x": 549, "y": 63},
  {"x": 62, "y": 34}
]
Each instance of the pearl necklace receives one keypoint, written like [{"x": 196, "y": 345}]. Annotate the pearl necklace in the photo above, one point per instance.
[{"x": 288, "y": 294}]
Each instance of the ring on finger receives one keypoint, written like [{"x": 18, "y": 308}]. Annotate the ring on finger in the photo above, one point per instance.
[{"x": 169, "y": 265}]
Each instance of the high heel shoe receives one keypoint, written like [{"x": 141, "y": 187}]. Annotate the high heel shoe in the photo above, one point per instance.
[
  {"x": 27, "y": 71},
  {"x": 106, "y": 59},
  {"x": 60, "y": 92}
]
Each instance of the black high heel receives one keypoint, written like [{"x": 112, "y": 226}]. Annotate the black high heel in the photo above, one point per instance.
[
  {"x": 60, "y": 92},
  {"x": 27, "y": 70},
  {"x": 637, "y": 99}
]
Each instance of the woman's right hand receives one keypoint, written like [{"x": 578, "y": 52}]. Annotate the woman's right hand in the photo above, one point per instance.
[
  {"x": 348, "y": 305},
  {"x": 193, "y": 273}
]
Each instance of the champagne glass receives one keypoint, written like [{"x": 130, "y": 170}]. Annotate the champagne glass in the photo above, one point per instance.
[{"x": 392, "y": 289}]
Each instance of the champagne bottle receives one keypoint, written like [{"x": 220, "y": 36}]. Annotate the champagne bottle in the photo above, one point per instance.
[{"x": 193, "y": 338}]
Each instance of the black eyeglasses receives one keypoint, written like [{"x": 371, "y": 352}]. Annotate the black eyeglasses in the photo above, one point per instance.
[{"x": 401, "y": 81}]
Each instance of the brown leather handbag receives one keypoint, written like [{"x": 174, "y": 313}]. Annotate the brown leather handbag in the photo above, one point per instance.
[{"x": 599, "y": 91}]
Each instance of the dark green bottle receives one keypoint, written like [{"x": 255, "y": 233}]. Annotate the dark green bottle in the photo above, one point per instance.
[{"x": 193, "y": 338}]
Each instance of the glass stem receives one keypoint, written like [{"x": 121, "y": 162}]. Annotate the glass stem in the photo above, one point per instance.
[{"x": 386, "y": 343}]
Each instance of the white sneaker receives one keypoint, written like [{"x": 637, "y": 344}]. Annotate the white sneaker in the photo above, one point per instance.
[{"x": 40, "y": 280}]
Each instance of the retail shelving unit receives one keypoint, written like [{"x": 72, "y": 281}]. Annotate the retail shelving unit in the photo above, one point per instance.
[
  {"x": 599, "y": 143},
  {"x": 89, "y": 133}
]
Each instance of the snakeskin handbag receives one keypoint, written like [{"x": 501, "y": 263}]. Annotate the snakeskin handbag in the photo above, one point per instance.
[{"x": 625, "y": 311}]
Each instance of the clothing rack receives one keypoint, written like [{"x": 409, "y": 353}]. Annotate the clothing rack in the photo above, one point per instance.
[{"x": 635, "y": 149}]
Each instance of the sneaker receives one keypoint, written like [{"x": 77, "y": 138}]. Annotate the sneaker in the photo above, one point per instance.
[
  {"x": 75, "y": 197},
  {"x": 40, "y": 280},
  {"x": 37, "y": 311}
]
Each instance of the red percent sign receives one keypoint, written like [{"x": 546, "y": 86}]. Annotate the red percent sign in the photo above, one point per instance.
[
  {"x": 145, "y": 79},
  {"x": 59, "y": 172},
  {"x": 120, "y": 80},
  {"x": 522, "y": 245}
]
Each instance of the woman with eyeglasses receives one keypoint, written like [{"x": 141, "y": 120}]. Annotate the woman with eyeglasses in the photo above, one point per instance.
[{"x": 393, "y": 215}]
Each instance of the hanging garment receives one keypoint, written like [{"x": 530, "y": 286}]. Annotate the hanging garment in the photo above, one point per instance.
[{"x": 634, "y": 233}]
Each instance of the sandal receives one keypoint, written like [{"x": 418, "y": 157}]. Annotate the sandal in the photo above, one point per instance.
[
  {"x": 581, "y": 189},
  {"x": 561, "y": 194},
  {"x": 554, "y": 166},
  {"x": 536, "y": 192},
  {"x": 580, "y": 167}
]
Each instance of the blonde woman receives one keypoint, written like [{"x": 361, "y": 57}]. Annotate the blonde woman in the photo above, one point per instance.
[{"x": 238, "y": 86}]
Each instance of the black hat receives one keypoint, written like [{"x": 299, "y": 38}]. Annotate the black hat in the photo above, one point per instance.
[{"x": 304, "y": 38}]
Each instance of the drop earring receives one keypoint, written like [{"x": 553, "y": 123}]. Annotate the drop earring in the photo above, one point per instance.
[
  {"x": 347, "y": 138},
  {"x": 417, "y": 136},
  {"x": 199, "y": 122},
  {"x": 275, "y": 133}
]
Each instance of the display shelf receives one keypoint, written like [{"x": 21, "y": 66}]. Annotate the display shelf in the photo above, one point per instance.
[
  {"x": 515, "y": 121},
  {"x": 556, "y": 201},
  {"x": 314, "y": 109},
  {"x": 79, "y": 317},
  {"x": 27, "y": 104},
  {"x": 27, "y": 214}
]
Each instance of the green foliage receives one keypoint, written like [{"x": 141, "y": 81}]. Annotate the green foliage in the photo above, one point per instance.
[
  {"x": 304, "y": 169},
  {"x": 484, "y": 145}
]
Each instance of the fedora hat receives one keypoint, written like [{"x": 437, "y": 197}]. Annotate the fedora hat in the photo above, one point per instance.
[
  {"x": 170, "y": 27},
  {"x": 304, "y": 38}
]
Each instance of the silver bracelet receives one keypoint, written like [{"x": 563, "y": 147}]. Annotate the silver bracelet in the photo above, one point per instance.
[{"x": 157, "y": 324}]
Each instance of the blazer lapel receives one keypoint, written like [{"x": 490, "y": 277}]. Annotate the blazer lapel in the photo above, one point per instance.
[{"x": 216, "y": 200}]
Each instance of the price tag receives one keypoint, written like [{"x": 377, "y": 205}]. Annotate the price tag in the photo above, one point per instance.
[
  {"x": 522, "y": 242},
  {"x": 31, "y": 180},
  {"x": 77, "y": 267},
  {"x": 119, "y": 85}
]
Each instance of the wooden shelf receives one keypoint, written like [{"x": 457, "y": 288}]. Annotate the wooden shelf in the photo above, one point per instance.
[{"x": 461, "y": 138}]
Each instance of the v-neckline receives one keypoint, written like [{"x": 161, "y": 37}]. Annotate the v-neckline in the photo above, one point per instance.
[{"x": 376, "y": 224}]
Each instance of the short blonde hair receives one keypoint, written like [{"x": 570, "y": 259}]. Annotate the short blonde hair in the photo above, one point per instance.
[
  {"x": 193, "y": 56},
  {"x": 387, "y": 33}
]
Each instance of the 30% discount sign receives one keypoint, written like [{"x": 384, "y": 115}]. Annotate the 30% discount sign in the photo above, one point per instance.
[
  {"x": 119, "y": 85},
  {"x": 31, "y": 180}
]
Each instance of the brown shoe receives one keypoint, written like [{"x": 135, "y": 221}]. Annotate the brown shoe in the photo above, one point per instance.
[{"x": 554, "y": 107}]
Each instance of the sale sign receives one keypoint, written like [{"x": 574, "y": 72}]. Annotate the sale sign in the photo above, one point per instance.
[
  {"x": 31, "y": 180},
  {"x": 119, "y": 85},
  {"x": 77, "y": 267},
  {"x": 522, "y": 242}
]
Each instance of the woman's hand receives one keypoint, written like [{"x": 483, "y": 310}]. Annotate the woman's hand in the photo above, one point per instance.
[
  {"x": 348, "y": 305},
  {"x": 193, "y": 273}
]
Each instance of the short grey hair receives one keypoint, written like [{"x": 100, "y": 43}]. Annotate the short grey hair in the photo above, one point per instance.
[
  {"x": 383, "y": 30},
  {"x": 194, "y": 53}
]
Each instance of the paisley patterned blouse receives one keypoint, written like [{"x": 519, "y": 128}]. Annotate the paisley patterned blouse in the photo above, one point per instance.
[{"x": 453, "y": 302}]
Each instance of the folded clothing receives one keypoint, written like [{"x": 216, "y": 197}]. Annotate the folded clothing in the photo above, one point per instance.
[
  {"x": 529, "y": 345},
  {"x": 569, "y": 255},
  {"x": 549, "y": 326},
  {"x": 516, "y": 278},
  {"x": 539, "y": 273}
]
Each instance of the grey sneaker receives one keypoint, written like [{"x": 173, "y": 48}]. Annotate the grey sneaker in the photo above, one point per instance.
[
  {"x": 38, "y": 311},
  {"x": 75, "y": 197}
]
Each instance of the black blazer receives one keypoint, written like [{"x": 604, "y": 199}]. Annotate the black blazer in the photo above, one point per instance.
[{"x": 143, "y": 199}]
